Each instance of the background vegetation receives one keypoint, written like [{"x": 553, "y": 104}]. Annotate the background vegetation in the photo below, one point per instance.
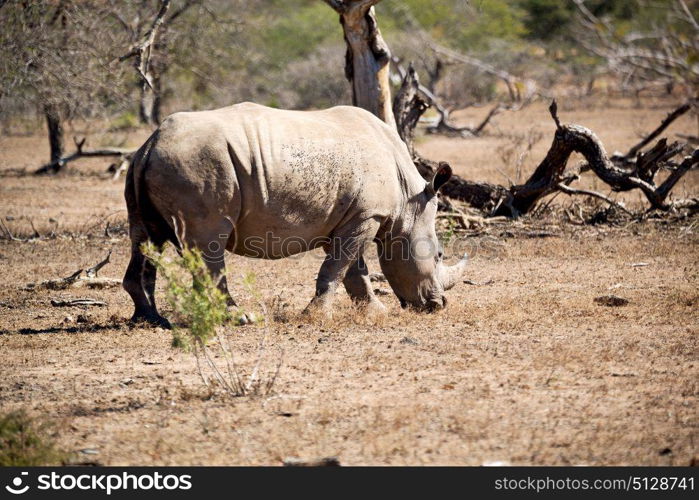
[{"x": 64, "y": 56}]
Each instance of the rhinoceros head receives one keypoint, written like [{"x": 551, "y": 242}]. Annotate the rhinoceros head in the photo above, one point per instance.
[{"x": 412, "y": 259}]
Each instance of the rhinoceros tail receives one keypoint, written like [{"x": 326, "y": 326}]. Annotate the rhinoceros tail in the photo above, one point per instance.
[{"x": 142, "y": 212}]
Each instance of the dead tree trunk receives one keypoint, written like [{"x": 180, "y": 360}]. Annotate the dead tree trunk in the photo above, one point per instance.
[
  {"x": 55, "y": 130},
  {"x": 145, "y": 103},
  {"x": 149, "y": 103},
  {"x": 367, "y": 60},
  {"x": 150, "y": 100},
  {"x": 409, "y": 105},
  {"x": 156, "y": 108}
]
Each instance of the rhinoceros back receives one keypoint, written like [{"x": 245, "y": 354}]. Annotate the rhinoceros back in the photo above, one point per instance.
[{"x": 280, "y": 174}]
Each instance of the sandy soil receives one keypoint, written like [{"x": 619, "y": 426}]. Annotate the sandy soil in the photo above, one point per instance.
[{"x": 523, "y": 367}]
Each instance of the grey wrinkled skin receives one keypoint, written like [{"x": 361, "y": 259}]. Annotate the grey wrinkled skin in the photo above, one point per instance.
[{"x": 271, "y": 183}]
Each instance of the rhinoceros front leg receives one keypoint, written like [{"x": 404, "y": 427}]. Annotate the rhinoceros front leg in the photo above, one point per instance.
[
  {"x": 358, "y": 286},
  {"x": 344, "y": 251}
]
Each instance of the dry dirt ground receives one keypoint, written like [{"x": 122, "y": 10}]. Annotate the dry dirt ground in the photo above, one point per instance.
[{"x": 522, "y": 368}]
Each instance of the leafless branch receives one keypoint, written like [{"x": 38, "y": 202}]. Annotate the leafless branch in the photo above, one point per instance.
[
  {"x": 149, "y": 38},
  {"x": 92, "y": 271},
  {"x": 442, "y": 124},
  {"x": 586, "y": 192},
  {"x": 510, "y": 81},
  {"x": 665, "y": 53},
  {"x": 674, "y": 115}
]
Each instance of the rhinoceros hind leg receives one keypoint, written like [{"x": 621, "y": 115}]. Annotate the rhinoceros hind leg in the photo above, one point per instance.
[
  {"x": 153, "y": 319},
  {"x": 139, "y": 282}
]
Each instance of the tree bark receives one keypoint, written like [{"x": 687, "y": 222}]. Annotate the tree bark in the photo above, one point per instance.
[
  {"x": 145, "y": 105},
  {"x": 55, "y": 130},
  {"x": 156, "y": 112},
  {"x": 367, "y": 60},
  {"x": 149, "y": 106}
]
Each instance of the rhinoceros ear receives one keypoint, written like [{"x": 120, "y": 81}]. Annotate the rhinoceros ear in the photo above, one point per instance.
[{"x": 441, "y": 177}]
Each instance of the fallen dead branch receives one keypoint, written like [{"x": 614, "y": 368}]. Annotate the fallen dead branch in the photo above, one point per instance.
[
  {"x": 35, "y": 235},
  {"x": 611, "y": 301},
  {"x": 314, "y": 462},
  {"x": 573, "y": 138},
  {"x": 6, "y": 231},
  {"x": 470, "y": 221},
  {"x": 80, "y": 302},
  {"x": 690, "y": 139},
  {"x": 80, "y": 152},
  {"x": 92, "y": 271},
  {"x": 75, "y": 280},
  {"x": 55, "y": 284},
  {"x": 551, "y": 175},
  {"x": 475, "y": 283},
  {"x": 586, "y": 192}
]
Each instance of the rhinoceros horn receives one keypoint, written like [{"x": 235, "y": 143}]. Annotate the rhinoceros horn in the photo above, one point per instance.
[{"x": 450, "y": 275}]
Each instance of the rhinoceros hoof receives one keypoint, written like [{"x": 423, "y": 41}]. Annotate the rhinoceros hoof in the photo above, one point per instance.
[
  {"x": 317, "y": 309},
  {"x": 155, "y": 320},
  {"x": 375, "y": 308}
]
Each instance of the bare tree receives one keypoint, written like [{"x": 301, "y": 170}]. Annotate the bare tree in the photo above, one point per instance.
[
  {"x": 667, "y": 53},
  {"x": 150, "y": 51},
  {"x": 54, "y": 125},
  {"x": 58, "y": 64},
  {"x": 443, "y": 125}
]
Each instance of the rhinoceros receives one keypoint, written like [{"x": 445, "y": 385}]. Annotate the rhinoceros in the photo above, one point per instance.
[{"x": 270, "y": 183}]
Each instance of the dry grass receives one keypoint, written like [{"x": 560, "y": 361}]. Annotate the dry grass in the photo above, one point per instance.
[{"x": 527, "y": 369}]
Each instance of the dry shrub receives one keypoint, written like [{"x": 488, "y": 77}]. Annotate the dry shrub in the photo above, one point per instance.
[{"x": 198, "y": 303}]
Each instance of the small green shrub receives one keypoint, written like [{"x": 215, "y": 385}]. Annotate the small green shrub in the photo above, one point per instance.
[
  {"x": 192, "y": 294},
  {"x": 198, "y": 303},
  {"x": 26, "y": 442}
]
